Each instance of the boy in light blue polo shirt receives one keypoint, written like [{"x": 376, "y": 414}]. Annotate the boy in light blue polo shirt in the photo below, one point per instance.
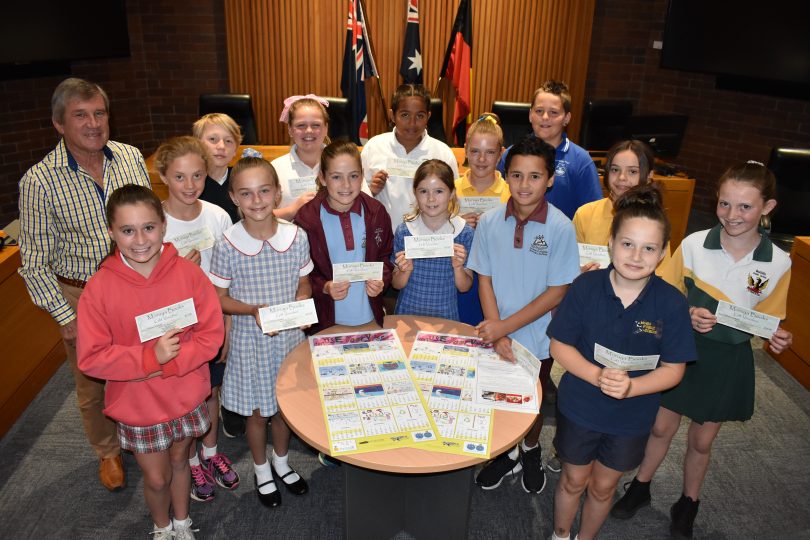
[{"x": 525, "y": 254}]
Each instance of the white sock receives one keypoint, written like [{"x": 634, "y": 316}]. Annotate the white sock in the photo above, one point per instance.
[
  {"x": 167, "y": 528},
  {"x": 514, "y": 453},
  {"x": 208, "y": 453},
  {"x": 527, "y": 448},
  {"x": 555, "y": 537},
  {"x": 264, "y": 474},
  {"x": 282, "y": 468},
  {"x": 195, "y": 461},
  {"x": 181, "y": 523}
]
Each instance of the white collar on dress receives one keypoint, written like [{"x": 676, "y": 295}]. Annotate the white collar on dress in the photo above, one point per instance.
[
  {"x": 454, "y": 226},
  {"x": 247, "y": 245}
]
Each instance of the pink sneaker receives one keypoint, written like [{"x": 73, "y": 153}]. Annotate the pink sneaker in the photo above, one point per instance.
[
  {"x": 202, "y": 484},
  {"x": 219, "y": 468}
]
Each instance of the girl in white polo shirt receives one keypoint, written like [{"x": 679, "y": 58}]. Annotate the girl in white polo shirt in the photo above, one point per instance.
[{"x": 737, "y": 263}]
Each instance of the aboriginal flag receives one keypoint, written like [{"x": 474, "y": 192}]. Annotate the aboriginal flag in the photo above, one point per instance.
[
  {"x": 411, "y": 66},
  {"x": 358, "y": 65},
  {"x": 457, "y": 67}
]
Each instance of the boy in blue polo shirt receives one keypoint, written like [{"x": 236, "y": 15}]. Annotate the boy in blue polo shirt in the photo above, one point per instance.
[{"x": 521, "y": 281}]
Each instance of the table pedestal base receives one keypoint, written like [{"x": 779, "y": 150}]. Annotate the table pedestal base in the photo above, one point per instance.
[{"x": 380, "y": 504}]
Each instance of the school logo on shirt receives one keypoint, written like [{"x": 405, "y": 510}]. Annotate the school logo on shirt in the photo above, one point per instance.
[
  {"x": 560, "y": 167},
  {"x": 649, "y": 327},
  {"x": 363, "y": 242},
  {"x": 539, "y": 246},
  {"x": 757, "y": 282},
  {"x": 378, "y": 236}
]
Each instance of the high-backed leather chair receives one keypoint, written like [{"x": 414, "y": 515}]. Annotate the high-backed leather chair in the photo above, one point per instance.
[
  {"x": 436, "y": 123},
  {"x": 603, "y": 123},
  {"x": 237, "y": 106},
  {"x": 514, "y": 118},
  {"x": 791, "y": 218},
  {"x": 339, "y": 124}
]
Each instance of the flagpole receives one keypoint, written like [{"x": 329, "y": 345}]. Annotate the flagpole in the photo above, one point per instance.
[{"x": 371, "y": 46}]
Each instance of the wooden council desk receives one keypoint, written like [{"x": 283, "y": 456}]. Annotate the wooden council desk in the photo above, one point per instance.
[{"x": 424, "y": 493}]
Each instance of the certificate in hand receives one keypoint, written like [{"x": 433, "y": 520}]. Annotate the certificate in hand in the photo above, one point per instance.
[
  {"x": 589, "y": 253},
  {"x": 156, "y": 323},
  {"x": 304, "y": 184},
  {"x": 746, "y": 320},
  {"x": 199, "y": 239},
  {"x": 284, "y": 316},
  {"x": 358, "y": 271},
  {"x": 478, "y": 205},
  {"x": 402, "y": 167},
  {"x": 626, "y": 362},
  {"x": 428, "y": 246}
]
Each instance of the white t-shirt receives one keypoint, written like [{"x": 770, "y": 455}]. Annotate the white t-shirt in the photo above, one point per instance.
[
  {"x": 295, "y": 176},
  {"x": 384, "y": 152},
  {"x": 202, "y": 231}
]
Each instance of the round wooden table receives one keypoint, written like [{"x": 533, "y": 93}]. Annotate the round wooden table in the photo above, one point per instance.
[{"x": 424, "y": 493}]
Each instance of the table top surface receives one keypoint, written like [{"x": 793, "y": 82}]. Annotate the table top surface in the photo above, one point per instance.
[{"x": 299, "y": 400}]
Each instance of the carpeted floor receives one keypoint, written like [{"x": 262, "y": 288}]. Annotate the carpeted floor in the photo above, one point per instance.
[{"x": 758, "y": 485}]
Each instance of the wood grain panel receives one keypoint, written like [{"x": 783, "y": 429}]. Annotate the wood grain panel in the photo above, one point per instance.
[{"x": 286, "y": 47}]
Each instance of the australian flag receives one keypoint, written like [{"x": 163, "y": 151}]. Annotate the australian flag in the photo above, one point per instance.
[
  {"x": 358, "y": 65},
  {"x": 411, "y": 66}
]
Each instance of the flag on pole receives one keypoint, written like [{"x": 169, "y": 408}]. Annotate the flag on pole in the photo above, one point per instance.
[
  {"x": 411, "y": 66},
  {"x": 358, "y": 65},
  {"x": 457, "y": 67}
]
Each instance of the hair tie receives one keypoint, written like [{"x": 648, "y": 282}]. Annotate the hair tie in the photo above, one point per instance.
[
  {"x": 251, "y": 152},
  {"x": 752, "y": 162},
  {"x": 488, "y": 118},
  {"x": 285, "y": 112}
]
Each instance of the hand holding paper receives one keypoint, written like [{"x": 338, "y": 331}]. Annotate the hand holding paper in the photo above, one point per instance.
[
  {"x": 167, "y": 347},
  {"x": 614, "y": 383},
  {"x": 781, "y": 340}
]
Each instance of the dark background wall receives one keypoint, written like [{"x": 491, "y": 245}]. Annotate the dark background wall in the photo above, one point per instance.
[
  {"x": 178, "y": 53},
  {"x": 724, "y": 126}
]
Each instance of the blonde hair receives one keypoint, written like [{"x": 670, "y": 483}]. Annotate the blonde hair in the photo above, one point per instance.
[
  {"x": 221, "y": 120},
  {"x": 178, "y": 147},
  {"x": 309, "y": 102},
  {"x": 442, "y": 171},
  {"x": 487, "y": 124}
]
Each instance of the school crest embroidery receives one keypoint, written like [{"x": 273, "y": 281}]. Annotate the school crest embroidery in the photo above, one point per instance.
[
  {"x": 757, "y": 283},
  {"x": 539, "y": 245},
  {"x": 649, "y": 327},
  {"x": 560, "y": 167},
  {"x": 378, "y": 236}
]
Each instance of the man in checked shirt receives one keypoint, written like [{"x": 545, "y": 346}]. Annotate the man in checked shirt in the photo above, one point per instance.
[{"x": 64, "y": 235}]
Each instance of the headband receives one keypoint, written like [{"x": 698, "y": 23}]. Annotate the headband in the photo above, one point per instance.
[{"x": 285, "y": 112}]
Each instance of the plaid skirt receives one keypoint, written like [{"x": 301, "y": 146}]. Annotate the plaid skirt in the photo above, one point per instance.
[{"x": 145, "y": 440}]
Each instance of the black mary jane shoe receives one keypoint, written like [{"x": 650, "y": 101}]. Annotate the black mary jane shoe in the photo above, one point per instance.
[
  {"x": 299, "y": 487},
  {"x": 270, "y": 500}
]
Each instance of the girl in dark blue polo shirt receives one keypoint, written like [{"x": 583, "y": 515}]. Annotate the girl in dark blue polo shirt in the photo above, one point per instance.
[{"x": 623, "y": 336}]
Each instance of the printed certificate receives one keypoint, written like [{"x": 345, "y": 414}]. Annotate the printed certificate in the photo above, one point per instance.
[
  {"x": 156, "y": 323},
  {"x": 589, "y": 253},
  {"x": 429, "y": 246},
  {"x": 626, "y": 362},
  {"x": 199, "y": 239},
  {"x": 446, "y": 368},
  {"x": 369, "y": 398},
  {"x": 358, "y": 271},
  {"x": 402, "y": 167},
  {"x": 291, "y": 315},
  {"x": 304, "y": 184},
  {"x": 478, "y": 205},
  {"x": 746, "y": 320},
  {"x": 508, "y": 386}
]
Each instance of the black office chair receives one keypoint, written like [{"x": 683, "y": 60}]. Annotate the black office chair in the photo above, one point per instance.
[
  {"x": 514, "y": 118},
  {"x": 436, "y": 123},
  {"x": 339, "y": 124},
  {"x": 603, "y": 123},
  {"x": 791, "y": 218},
  {"x": 237, "y": 106}
]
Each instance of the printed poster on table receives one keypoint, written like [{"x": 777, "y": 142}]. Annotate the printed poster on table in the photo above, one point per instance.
[
  {"x": 509, "y": 386},
  {"x": 369, "y": 398},
  {"x": 445, "y": 367}
]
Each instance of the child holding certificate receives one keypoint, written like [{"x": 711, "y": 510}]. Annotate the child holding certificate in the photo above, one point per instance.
[
  {"x": 193, "y": 225},
  {"x": 733, "y": 262},
  {"x": 622, "y": 334},
  {"x": 428, "y": 285},
  {"x": 525, "y": 255},
  {"x": 222, "y": 136},
  {"x": 345, "y": 226},
  {"x": 156, "y": 387},
  {"x": 479, "y": 189},
  {"x": 260, "y": 261},
  {"x": 308, "y": 124}
]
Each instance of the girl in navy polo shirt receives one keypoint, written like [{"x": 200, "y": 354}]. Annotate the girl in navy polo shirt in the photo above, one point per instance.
[{"x": 608, "y": 397}]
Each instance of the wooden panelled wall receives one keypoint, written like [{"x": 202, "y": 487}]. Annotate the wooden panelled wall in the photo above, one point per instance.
[{"x": 278, "y": 48}]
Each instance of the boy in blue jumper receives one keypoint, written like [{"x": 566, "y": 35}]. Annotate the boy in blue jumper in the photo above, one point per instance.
[{"x": 521, "y": 281}]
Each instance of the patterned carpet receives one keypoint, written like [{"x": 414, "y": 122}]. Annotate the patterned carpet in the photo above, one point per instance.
[{"x": 757, "y": 486}]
